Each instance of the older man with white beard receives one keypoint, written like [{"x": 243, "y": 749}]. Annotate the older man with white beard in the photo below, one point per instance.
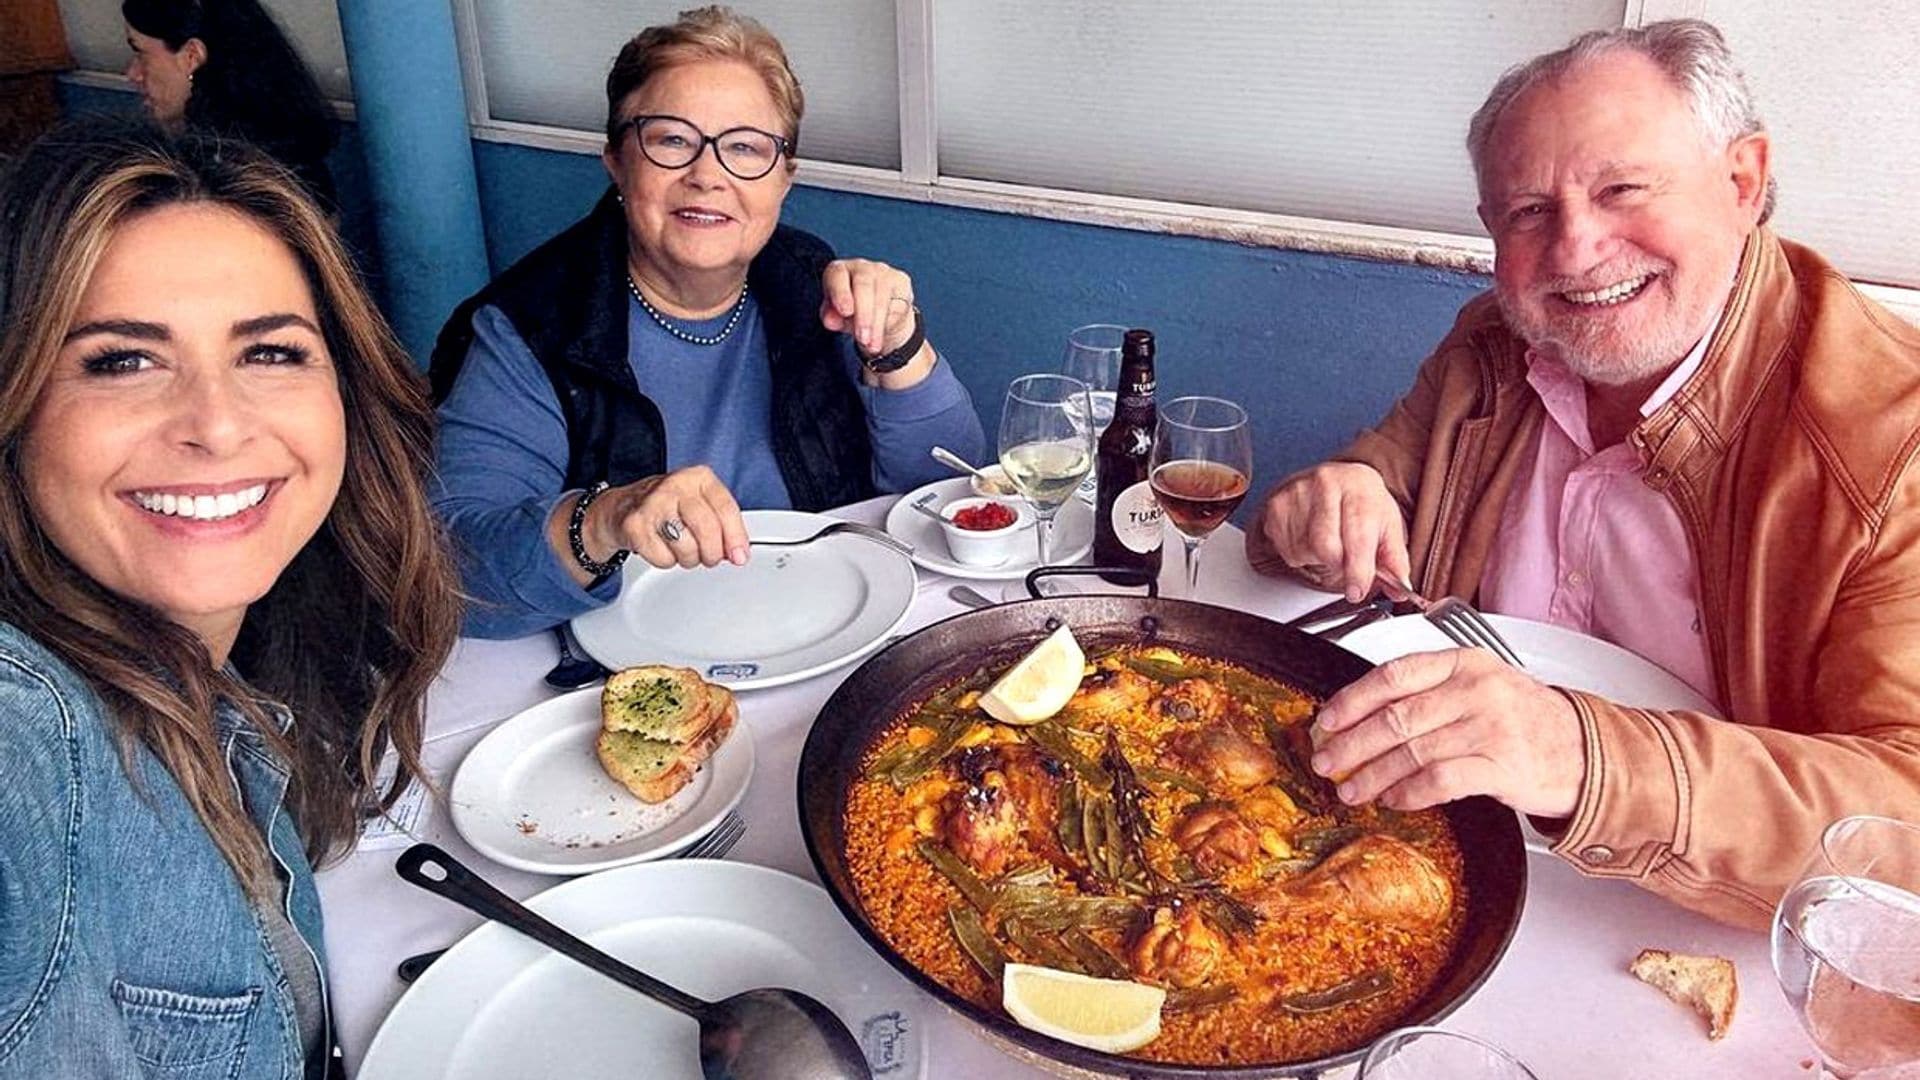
[{"x": 1667, "y": 427}]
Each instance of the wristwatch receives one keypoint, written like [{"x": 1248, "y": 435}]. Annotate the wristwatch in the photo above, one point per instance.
[{"x": 898, "y": 358}]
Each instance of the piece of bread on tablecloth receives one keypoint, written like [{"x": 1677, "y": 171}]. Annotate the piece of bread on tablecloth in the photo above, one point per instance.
[{"x": 1705, "y": 983}]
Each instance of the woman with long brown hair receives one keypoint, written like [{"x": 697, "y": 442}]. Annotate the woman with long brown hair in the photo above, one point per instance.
[{"x": 222, "y": 598}]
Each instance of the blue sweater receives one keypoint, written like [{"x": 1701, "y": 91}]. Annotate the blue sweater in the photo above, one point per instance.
[{"x": 503, "y": 450}]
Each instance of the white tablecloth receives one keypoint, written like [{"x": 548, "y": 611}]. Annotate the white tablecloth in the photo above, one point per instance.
[{"x": 1561, "y": 998}]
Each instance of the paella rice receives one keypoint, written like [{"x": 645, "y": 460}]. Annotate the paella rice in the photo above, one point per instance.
[{"x": 1163, "y": 828}]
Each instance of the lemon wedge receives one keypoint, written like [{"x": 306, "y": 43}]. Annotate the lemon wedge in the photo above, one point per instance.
[
  {"x": 1109, "y": 1015},
  {"x": 1039, "y": 685}
]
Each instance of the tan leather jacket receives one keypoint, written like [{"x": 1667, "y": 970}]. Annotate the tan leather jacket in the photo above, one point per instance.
[{"x": 1790, "y": 457}]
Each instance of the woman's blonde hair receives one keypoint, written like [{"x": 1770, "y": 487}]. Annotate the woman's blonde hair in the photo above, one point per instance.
[
  {"x": 708, "y": 33},
  {"x": 355, "y": 628}
]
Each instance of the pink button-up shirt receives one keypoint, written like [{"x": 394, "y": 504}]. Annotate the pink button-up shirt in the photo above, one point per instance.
[{"x": 1586, "y": 545}]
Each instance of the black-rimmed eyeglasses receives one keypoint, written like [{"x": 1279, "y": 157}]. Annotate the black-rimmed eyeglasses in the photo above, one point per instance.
[{"x": 673, "y": 143}]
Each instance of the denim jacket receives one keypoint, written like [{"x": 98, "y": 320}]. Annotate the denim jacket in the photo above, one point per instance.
[{"x": 127, "y": 946}]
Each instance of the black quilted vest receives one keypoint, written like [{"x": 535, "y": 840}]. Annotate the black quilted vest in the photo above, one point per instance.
[{"x": 568, "y": 301}]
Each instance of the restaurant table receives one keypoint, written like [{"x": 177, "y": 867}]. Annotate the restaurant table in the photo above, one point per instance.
[{"x": 1561, "y": 998}]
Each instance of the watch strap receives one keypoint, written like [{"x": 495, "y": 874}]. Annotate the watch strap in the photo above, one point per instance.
[{"x": 899, "y": 358}]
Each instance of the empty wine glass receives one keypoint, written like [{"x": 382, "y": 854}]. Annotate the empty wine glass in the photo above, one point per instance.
[
  {"x": 1201, "y": 465},
  {"x": 1431, "y": 1053},
  {"x": 1046, "y": 444},
  {"x": 1093, "y": 357},
  {"x": 1846, "y": 948}
]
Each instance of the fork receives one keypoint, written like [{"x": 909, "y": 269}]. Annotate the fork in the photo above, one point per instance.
[
  {"x": 1466, "y": 627},
  {"x": 851, "y": 528},
  {"x": 719, "y": 839},
  {"x": 715, "y": 844}
]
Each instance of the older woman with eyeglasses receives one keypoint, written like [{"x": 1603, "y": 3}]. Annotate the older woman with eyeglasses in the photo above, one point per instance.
[{"x": 678, "y": 354}]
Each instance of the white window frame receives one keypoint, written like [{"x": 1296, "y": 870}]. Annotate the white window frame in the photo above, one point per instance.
[{"x": 918, "y": 179}]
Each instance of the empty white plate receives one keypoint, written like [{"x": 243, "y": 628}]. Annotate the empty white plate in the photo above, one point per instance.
[
  {"x": 1553, "y": 654},
  {"x": 789, "y": 614},
  {"x": 532, "y": 795},
  {"x": 499, "y": 1006}
]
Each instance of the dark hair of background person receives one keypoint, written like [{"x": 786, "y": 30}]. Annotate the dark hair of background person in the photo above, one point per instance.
[
  {"x": 253, "y": 84},
  {"x": 356, "y": 627}
]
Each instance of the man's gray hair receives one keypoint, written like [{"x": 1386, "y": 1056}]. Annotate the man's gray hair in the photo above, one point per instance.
[{"x": 1691, "y": 52}]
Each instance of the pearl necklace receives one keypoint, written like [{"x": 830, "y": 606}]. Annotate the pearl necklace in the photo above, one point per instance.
[{"x": 660, "y": 320}]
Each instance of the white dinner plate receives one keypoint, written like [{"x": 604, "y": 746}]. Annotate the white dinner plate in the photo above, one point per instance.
[
  {"x": 532, "y": 795},
  {"x": 789, "y": 614},
  {"x": 498, "y": 1006},
  {"x": 1553, "y": 654},
  {"x": 1072, "y": 534}
]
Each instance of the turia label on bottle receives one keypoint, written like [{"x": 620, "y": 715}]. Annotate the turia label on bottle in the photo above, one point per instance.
[{"x": 1136, "y": 518}]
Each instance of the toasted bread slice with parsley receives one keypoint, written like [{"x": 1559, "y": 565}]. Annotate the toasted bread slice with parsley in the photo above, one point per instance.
[
  {"x": 647, "y": 767},
  {"x": 666, "y": 704},
  {"x": 656, "y": 769},
  {"x": 1705, "y": 984}
]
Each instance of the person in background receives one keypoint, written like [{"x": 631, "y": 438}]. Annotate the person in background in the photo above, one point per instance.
[
  {"x": 225, "y": 65},
  {"x": 678, "y": 354},
  {"x": 1665, "y": 426},
  {"x": 223, "y": 595}
]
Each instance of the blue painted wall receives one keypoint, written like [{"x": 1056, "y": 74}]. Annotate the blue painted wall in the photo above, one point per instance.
[{"x": 1314, "y": 346}]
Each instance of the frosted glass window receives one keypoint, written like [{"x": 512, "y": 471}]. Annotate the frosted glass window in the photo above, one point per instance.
[
  {"x": 98, "y": 38},
  {"x": 1326, "y": 109},
  {"x": 1837, "y": 86},
  {"x": 546, "y": 63}
]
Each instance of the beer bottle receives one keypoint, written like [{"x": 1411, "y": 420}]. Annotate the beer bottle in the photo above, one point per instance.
[{"x": 1126, "y": 520}]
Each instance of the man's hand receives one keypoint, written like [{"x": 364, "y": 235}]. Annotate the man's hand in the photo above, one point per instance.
[
  {"x": 1337, "y": 526},
  {"x": 1432, "y": 727}
]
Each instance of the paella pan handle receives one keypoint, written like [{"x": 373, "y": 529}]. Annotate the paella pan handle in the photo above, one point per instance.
[{"x": 1124, "y": 576}]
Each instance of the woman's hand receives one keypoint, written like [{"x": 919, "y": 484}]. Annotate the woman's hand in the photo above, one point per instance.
[
  {"x": 873, "y": 302},
  {"x": 683, "y": 518}
]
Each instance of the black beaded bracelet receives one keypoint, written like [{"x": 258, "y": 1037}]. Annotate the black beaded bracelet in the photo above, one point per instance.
[{"x": 599, "y": 570}]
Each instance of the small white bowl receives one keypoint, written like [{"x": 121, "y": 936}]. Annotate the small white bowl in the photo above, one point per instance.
[
  {"x": 985, "y": 490},
  {"x": 988, "y": 547}
]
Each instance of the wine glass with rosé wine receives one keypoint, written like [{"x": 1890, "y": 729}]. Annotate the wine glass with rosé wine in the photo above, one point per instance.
[
  {"x": 1846, "y": 948},
  {"x": 1046, "y": 444},
  {"x": 1201, "y": 466}
]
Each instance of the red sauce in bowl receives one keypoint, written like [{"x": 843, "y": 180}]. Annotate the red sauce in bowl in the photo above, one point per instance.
[{"x": 984, "y": 518}]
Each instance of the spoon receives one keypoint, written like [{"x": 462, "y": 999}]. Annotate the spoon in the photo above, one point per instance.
[
  {"x": 969, "y": 596},
  {"x": 954, "y": 461},
  {"x": 766, "y": 1034},
  {"x": 572, "y": 671},
  {"x": 927, "y": 510}
]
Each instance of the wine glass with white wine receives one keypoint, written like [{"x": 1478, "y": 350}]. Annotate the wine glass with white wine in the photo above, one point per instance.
[
  {"x": 1046, "y": 444},
  {"x": 1846, "y": 948}
]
